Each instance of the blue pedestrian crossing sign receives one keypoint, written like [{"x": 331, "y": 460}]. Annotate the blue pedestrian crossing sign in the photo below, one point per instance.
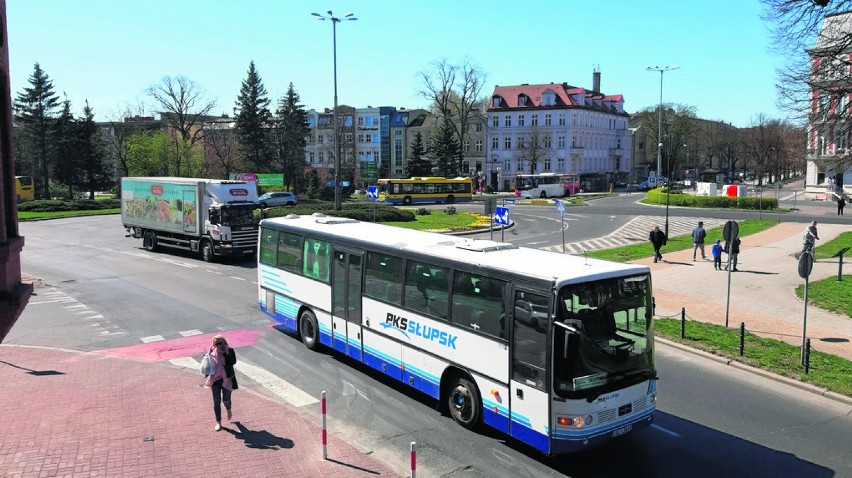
[
  {"x": 560, "y": 207},
  {"x": 373, "y": 193},
  {"x": 501, "y": 216}
]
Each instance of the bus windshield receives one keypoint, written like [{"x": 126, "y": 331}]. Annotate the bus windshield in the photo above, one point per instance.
[{"x": 604, "y": 338}]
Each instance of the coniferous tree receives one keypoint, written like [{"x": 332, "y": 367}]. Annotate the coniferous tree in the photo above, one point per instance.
[
  {"x": 445, "y": 149},
  {"x": 252, "y": 121},
  {"x": 418, "y": 166},
  {"x": 289, "y": 137},
  {"x": 35, "y": 110},
  {"x": 65, "y": 165},
  {"x": 95, "y": 175}
]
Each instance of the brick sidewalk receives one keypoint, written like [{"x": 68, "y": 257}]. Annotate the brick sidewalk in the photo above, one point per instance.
[
  {"x": 69, "y": 413},
  {"x": 762, "y": 293}
]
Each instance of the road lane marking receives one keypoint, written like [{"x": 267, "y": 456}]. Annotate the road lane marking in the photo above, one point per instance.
[
  {"x": 190, "y": 333},
  {"x": 280, "y": 387},
  {"x": 151, "y": 338},
  {"x": 665, "y": 430}
]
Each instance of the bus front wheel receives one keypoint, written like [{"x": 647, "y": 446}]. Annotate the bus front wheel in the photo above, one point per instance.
[
  {"x": 308, "y": 330},
  {"x": 464, "y": 403},
  {"x": 406, "y": 200}
]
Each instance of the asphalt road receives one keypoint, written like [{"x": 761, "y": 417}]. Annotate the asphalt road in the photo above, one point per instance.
[{"x": 100, "y": 290}]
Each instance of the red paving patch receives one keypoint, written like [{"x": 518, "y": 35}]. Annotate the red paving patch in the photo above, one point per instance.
[{"x": 183, "y": 347}]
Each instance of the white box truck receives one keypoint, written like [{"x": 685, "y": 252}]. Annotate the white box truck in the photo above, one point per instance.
[{"x": 209, "y": 216}]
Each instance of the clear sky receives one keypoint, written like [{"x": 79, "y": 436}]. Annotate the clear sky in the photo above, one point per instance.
[{"x": 110, "y": 51}]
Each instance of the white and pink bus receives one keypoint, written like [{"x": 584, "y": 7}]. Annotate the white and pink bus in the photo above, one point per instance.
[{"x": 544, "y": 185}]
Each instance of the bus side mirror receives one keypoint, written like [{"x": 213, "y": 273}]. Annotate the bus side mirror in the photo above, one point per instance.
[{"x": 566, "y": 327}]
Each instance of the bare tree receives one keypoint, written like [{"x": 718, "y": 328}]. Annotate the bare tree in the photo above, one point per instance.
[
  {"x": 184, "y": 109},
  {"x": 533, "y": 147},
  {"x": 121, "y": 126},
  {"x": 221, "y": 149},
  {"x": 815, "y": 83},
  {"x": 772, "y": 147},
  {"x": 454, "y": 92}
]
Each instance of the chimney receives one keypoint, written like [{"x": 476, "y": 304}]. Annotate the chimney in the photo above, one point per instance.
[{"x": 596, "y": 80}]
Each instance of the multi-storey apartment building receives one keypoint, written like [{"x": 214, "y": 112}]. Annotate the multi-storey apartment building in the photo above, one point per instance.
[
  {"x": 829, "y": 160},
  {"x": 558, "y": 128}
]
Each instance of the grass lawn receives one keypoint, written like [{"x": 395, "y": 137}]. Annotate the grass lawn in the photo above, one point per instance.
[
  {"x": 830, "y": 295},
  {"x": 825, "y": 251},
  {"x": 25, "y": 216},
  {"x": 678, "y": 243},
  {"x": 829, "y": 371},
  {"x": 438, "y": 220}
]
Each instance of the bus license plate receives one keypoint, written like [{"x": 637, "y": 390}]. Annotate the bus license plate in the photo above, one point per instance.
[{"x": 622, "y": 431}]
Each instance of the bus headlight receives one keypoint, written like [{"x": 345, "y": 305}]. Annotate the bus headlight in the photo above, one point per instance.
[
  {"x": 573, "y": 421},
  {"x": 653, "y": 398}
]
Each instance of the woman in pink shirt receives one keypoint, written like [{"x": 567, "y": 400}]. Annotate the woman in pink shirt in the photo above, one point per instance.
[{"x": 223, "y": 381}]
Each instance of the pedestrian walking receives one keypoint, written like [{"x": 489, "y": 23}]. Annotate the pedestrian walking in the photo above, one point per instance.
[
  {"x": 810, "y": 237},
  {"x": 717, "y": 255},
  {"x": 658, "y": 239},
  {"x": 223, "y": 380},
  {"x": 732, "y": 248},
  {"x": 698, "y": 235},
  {"x": 841, "y": 203}
]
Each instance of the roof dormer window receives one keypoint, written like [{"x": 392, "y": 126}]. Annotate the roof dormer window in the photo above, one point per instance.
[
  {"x": 548, "y": 98},
  {"x": 522, "y": 100},
  {"x": 495, "y": 102}
]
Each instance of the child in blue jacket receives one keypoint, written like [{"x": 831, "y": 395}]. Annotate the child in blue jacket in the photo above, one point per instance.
[{"x": 717, "y": 255}]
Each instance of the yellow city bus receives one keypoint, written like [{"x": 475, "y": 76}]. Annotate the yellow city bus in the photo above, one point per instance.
[
  {"x": 24, "y": 188},
  {"x": 425, "y": 190}
]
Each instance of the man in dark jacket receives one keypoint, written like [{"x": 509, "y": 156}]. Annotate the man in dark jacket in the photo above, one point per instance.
[
  {"x": 658, "y": 239},
  {"x": 733, "y": 250}
]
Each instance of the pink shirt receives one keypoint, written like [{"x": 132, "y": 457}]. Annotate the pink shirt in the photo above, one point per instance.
[{"x": 219, "y": 360}]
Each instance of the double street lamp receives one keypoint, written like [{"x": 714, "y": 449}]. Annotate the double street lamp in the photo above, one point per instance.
[
  {"x": 334, "y": 22},
  {"x": 660, "y": 136}
]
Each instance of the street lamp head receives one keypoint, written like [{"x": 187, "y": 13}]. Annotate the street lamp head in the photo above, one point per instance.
[
  {"x": 348, "y": 15},
  {"x": 330, "y": 14},
  {"x": 316, "y": 15}
]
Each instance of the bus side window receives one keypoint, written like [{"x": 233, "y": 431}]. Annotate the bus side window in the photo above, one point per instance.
[{"x": 316, "y": 259}]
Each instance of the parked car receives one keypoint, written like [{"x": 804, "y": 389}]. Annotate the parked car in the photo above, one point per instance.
[
  {"x": 534, "y": 315},
  {"x": 277, "y": 198},
  {"x": 650, "y": 183}
]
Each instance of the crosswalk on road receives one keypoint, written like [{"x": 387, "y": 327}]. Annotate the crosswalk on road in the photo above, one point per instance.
[{"x": 636, "y": 231}]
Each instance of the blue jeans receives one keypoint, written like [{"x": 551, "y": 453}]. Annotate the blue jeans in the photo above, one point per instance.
[{"x": 220, "y": 394}]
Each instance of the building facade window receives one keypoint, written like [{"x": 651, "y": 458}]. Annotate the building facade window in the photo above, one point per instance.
[
  {"x": 561, "y": 142},
  {"x": 560, "y": 163},
  {"x": 320, "y": 157},
  {"x": 478, "y": 127},
  {"x": 495, "y": 122},
  {"x": 311, "y": 157},
  {"x": 360, "y": 121},
  {"x": 547, "y": 164},
  {"x": 495, "y": 143},
  {"x": 466, "y": 146},
  {"x": 534, "y": 120},
  {"x": 521, "y": 119},
  {"x": 561, "y": 119},
  {"x": 507, "y": 142},
  {"x": 479, "y": 146},
  {"x": 547, "y": 119},
  {"x": 507, "y": 121},
  {"x": 547, "y": 142},
  {"x": 397, "y": 148},
  {"x": 320, "y": 138}
]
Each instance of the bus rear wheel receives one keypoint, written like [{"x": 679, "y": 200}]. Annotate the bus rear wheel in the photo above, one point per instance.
[
  {"x": 406, "y": 200},
  {"x": 464, "y": 403},
  {"x": 308, "y": 330},
  {"x": 451, "y": 199}
]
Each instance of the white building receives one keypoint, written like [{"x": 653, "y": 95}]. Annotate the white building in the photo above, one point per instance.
[{"x": 558, "y": 128}]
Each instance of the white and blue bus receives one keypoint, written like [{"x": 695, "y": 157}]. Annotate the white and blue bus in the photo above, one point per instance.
[{"x": 554, "y": 350}]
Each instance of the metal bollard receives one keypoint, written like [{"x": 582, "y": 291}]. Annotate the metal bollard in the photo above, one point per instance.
[
  {"x": 324, "y": 431},
  {"x": 807, "y": 355},
  {"x": 683, "y": 322},
  {"x": 742, "y": 338},
  {"x": 413, "y": 459}
]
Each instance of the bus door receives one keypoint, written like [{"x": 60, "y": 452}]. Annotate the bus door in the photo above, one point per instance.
[
  {"x": 346, "y": 303},
  {"x": 529, "y": 387}
]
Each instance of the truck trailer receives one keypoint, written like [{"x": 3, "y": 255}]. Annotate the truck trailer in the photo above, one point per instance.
[{"x": 209, "y": 216}]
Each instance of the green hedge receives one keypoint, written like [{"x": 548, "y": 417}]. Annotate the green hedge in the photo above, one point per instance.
[
  {"x": 678, "y": 198},
  {"x": 361, "y": 212},
  {"x": 54, "y": 205}
]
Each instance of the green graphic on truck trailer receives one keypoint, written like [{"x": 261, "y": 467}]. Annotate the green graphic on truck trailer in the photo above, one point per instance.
[{"x": 161, "y": 205}]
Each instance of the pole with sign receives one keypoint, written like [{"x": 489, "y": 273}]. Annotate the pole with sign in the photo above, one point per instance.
[
  {"x": 730, "y": 232},
  {"x": 501, "y": 218},
  {"x": 373, "y": 193},
  {"x": 560, "y": 209},
  {"x": 806, "y": 265}
]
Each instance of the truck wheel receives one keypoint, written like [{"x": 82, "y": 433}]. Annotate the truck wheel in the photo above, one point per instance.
[
  {"x": 207, "y": 251},
  {"x": 308, "y": 330},
  {"x": 149, "y": 241},
  {"x": 464, "y": 404},
  {"x": 543, "y": 194}
]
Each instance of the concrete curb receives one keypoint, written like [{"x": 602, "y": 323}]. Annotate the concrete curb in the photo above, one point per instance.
[{"x": 756, "y": 371}]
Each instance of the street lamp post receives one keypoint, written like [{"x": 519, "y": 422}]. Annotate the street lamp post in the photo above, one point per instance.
[
  {"x": 334, "y": 22},
  {"x": 660, "y": 136}
]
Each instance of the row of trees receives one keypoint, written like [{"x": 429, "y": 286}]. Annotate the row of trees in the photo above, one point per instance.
[{"x": 771, "y": 149}]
